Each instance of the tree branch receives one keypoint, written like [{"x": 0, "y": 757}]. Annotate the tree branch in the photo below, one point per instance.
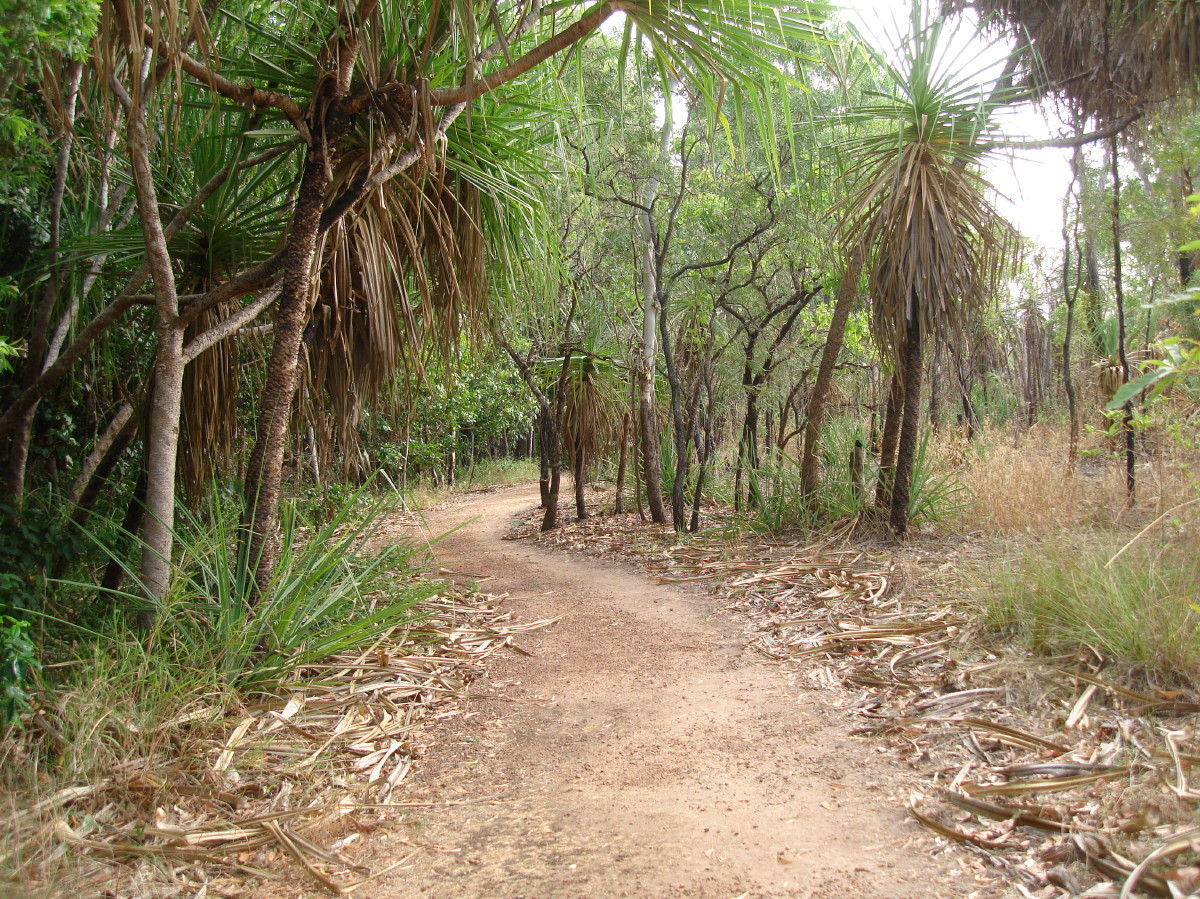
[
  {"x": 1074, "y": 140},
  {"x": 570, "y": 35}
]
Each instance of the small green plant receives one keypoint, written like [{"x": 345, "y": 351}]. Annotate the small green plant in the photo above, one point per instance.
[
  {"x": 18, "y": 666},
  {"x": 333, "y": 590}
]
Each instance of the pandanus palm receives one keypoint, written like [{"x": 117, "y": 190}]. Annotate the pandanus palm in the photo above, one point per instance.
[
  {"x": 936, "y": 247},
  {"x": 369, "y": 94}
]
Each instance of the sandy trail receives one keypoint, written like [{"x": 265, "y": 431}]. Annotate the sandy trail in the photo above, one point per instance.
[{"x": 639, "y": 751}]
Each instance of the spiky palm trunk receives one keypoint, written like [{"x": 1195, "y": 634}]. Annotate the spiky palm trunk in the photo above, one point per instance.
[
  {"x": 888, "y": 440},
  {"x": 264, "y": 471},
  {"x": 906, "y": 451}
]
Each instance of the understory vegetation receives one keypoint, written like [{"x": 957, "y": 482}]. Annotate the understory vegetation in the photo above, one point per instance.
[{"x": 274, "y": 277}]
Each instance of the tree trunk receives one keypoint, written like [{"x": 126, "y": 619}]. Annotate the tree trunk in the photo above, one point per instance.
[
  {"x": 1119, "y": 293},
  {"x": 166, "y": 393},
  {"x": 622, "y": 462},
  {"x": 18, "y": 448},
  {"x": 544, "y": 458},
  {"x": 935, "y": 387},
  {"x": 748, "y": 450},
  {"x": 888, "y": 440},
  {"x": 580, "y": 482},
  {"x": 651, "y": 309},
  {"x": 1091, "y": 295},
  {"x": 1068, "y": 382},
  {"x": 264, "y": 471},
  {"x": 678, "y": 426},
  {"x": 909, "y": 425},
  {"x": 810, "y": 463}
]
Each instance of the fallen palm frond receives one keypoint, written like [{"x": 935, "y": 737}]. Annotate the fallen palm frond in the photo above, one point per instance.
[
  {"x": 1099, "y": 781},
  {"x": 277, "y": 779}
]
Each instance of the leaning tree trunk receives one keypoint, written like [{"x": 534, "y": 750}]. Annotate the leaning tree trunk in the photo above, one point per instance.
[
  {"x": 264, "y": 471},
  {"x": 166, "y": 396},
  {"x": 909, "y": 425},
  {"x": 888, "y": 440},
  {"x": 810, "y": 464}
]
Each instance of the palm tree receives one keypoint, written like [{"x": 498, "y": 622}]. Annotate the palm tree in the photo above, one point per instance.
[
  {"x": 373, "y": 108},
  {"x": 935, "y": 244},
  {"x": 1110, "y": 59}
]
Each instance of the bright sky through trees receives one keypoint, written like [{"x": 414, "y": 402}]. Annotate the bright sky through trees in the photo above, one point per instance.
[{"x": 1032, "y": 183}]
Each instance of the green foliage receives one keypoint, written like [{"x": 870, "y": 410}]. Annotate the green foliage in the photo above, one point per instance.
[
  {"x": 18, "y": 666},
  {"x": 1135, "y": 609},
  {"x": 333, "y": 590},
  {"x": 935, "y": 497},
  {"x": 54, "y": 26},
  {"x": 30, "y": 547},
  {"x": 1181, "y": 360}
]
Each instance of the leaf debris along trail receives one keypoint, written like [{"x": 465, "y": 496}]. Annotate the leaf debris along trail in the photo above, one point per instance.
[{"x": 638, "y": 750}]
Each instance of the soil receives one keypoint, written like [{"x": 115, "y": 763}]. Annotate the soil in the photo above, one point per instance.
[{"x": 634, "y": 748}]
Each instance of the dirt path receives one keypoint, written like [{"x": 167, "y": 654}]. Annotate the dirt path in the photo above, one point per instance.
[{"x": 638, "y": 751}]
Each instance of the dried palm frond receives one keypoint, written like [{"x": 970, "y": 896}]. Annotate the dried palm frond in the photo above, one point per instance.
[
  {"x": 589, "y": 415},
  {"x": 1107, "y": 58},
  {"x": 208, "y": 420}
]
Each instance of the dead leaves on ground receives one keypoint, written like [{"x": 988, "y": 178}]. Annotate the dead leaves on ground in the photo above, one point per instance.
[
  {"x": 324, "y": 757},
  {"x": 1043, "y": 769}
]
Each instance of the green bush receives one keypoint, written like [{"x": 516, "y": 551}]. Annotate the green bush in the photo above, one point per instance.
[{"x": 332, "y": 590}]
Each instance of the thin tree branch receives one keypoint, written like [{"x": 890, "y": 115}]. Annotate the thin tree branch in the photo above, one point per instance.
[
  {"x": 228, "y": 326},
  {"x": 570, "y": 35},
  {"x": 1075, "y": 140}
]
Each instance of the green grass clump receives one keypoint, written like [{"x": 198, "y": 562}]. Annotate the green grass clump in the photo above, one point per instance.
[{"x": 1140, "y": 610}]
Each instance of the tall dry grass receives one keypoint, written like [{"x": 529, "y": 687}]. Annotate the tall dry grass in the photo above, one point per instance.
[
  {"x": 1020, "y": 482},
  {"x": 1075, "y": 563}
]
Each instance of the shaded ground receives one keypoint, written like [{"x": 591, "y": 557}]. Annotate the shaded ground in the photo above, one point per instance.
[{"x": 637, "y": 750}]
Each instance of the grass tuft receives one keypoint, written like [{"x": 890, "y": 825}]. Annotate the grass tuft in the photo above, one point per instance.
[{"x": 1140, "y": 610}]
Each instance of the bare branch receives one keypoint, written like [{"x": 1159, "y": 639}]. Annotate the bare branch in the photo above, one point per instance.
[
  {"x": 570, "y": 35},
  {"x": 1074, "y": 140},
  {"x": 228, "y": 326}
]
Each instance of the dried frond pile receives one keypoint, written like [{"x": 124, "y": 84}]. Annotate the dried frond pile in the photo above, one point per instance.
[{"x": 284, "y": 777}]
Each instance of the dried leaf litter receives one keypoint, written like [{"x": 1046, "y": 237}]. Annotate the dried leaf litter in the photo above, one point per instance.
[{"x": 1061, "y": 780}]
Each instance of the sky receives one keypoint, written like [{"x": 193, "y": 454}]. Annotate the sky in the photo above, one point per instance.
[{"x": 1031, "y": 183}]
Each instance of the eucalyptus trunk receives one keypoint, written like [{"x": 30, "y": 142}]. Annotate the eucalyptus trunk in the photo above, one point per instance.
[{"x": 810, "y": 465}]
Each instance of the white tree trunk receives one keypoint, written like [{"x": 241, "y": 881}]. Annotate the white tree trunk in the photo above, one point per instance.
[{"x": 163, "y": 427}]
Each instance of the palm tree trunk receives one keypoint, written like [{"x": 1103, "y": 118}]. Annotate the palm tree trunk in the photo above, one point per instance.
[
  {"x": 888, "y": 440},
  {"x": 622, "y": 463},
  {"x": 577, "y": 472},
  {"x": 909, "y": 425},
  {"x": 810, "y": 466},
  {"x": 264, "y": 471}
]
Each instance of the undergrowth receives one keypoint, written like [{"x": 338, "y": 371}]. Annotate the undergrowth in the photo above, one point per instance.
[
  {"x": 1138, "y": 609},
  {"x": 114, "y": 693}
]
